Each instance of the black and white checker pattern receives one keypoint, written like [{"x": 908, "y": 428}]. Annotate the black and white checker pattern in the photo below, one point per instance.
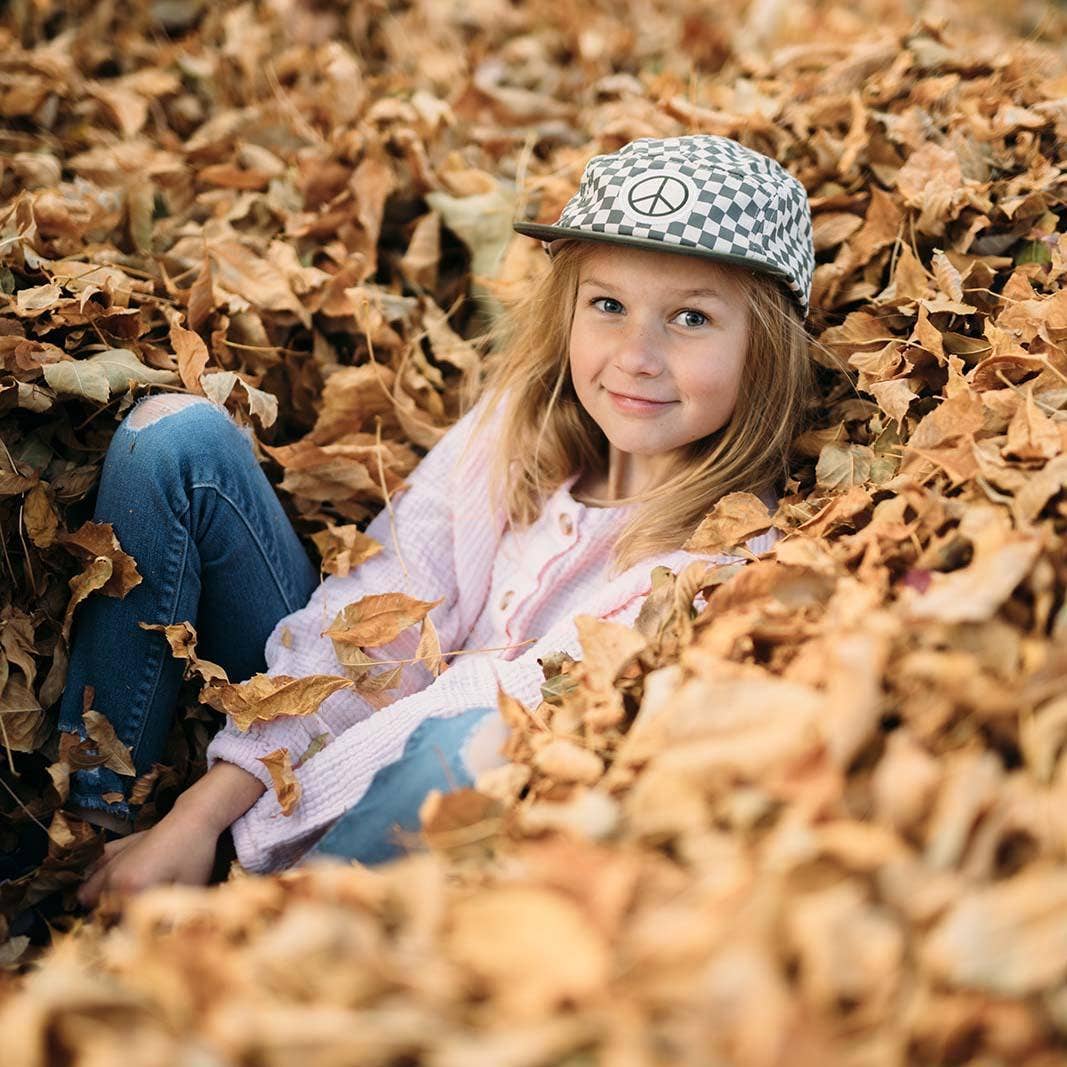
[{"x": 704, "y": 194}]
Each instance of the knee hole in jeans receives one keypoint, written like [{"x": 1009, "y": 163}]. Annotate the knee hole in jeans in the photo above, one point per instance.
[{"x": 153, "y": 408}]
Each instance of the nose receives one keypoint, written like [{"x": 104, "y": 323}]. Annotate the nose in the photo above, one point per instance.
[{"x": 638, "y": 351}]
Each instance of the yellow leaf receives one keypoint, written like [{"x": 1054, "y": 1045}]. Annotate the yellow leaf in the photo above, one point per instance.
[
  {"x": 429, "y": 648},
  {"x": 734, "y": 518},
  {"x": 286, "y": 787},
  {"x": 94, "y": 577},
  {"x": 565, "y": 761},
  {"x": 532, "y": 947},
  {"x": 39, "y": 515},
  {"x": 264, "y": 697},
  {"x": 377, "y": 619},
  {"x": 181, "y": 636},
  {"x": 192, "y": 354},
  {"x": 95, "y": 539},
  {"x": 116, "y": 754}
]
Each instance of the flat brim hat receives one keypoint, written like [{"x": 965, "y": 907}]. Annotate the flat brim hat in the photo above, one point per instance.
[{"x": 701, "y": 195}]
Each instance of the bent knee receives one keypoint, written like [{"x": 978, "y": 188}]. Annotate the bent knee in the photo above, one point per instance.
[{"x": 153, "y": 408}]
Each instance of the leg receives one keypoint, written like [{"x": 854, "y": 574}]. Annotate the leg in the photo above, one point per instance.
[
  {"x": 444, "y": 753},
  {"x": 187, "y": 499}
]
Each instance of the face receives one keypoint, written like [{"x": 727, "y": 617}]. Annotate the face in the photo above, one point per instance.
[{"x": 669, "y": 331}]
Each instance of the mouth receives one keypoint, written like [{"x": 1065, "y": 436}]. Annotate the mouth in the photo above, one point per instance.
[
  {"x": 637, "y": 406},
  {"x": 638, "y": 399}
]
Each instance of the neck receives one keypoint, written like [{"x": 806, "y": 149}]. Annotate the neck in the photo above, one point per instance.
[{"x": 626, "y": 475}]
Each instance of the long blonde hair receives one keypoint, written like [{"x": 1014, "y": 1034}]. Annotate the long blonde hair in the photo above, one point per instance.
[{"x": 546, "y": 435}]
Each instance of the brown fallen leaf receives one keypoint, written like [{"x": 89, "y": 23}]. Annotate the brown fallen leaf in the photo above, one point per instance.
[
  {"x": 531, "y": 948},
  {"x": 97, "y": 539},
  {"x": 192, "y": 354},
  {"x": 428, "y": 650},
  {"x": 117, "y": 756},
  {"x": 734, "y": 518},
  {"x": 286, "y": 786},
  {"x": 377, "y": 619},
  {"x": 264, "y": 697},
  {"x": 95, "y": 576},
  {"x": 181, "y": 636}
]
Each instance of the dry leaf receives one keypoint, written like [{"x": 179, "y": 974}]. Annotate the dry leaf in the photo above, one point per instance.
[
  {"x": 264, "y": 697},
  {"x": 286, "y": 787},
  {"x": 377, "y": 619},
  {"x": 117, "y": 756}
]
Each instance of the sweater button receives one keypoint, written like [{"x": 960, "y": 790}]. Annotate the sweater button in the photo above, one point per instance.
[
  {"x": 506, "y": 600},
  {"x": 566, "y": 525}
]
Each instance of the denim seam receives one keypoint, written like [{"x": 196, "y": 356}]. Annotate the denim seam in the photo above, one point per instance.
[
  {"x": 171, "y": 590},
  {"x": 264, "y": 554}
]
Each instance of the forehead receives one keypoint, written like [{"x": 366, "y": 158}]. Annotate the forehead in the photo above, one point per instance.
[{"x": 623, "y": 264}]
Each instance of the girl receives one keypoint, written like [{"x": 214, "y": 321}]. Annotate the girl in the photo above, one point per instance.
[{"x": 659, "y": 363}]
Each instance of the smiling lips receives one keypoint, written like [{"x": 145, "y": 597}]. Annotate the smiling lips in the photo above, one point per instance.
[
  {"x": 635, "y": 405},
  {"x": 627, "y": 396}
]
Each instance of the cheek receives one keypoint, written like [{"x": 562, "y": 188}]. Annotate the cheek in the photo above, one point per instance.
[
  {"x": 714, "y": 386},
  {"x": 581, "y": 357}
]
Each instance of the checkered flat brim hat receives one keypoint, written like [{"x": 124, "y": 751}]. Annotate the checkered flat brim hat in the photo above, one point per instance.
[{"x": 701, "y": 195}]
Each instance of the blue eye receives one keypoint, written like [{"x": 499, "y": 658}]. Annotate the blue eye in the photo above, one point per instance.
[
  {"x": 604, "y": 299},
  {"x": 699, "y": 314}
]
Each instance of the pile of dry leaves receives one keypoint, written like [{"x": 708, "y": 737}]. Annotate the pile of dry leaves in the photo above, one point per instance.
[{"x": 823, "y": 818}]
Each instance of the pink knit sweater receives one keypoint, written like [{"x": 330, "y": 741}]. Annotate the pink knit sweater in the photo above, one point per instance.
[{"x": 499, "y": 588}]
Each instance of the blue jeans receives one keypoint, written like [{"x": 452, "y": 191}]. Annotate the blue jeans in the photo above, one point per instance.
[
  {"x": 188, "y": 500},
  {"x": 433, "y": 758}
]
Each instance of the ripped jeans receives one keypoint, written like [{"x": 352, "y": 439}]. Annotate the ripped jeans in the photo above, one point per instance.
[{"x": 187, "y": 499}]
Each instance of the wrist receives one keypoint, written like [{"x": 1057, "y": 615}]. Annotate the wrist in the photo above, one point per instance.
[{"x": 222, "y": 795}]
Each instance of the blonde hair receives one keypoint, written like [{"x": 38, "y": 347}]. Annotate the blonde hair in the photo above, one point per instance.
[{"x": 546, "y": 435}]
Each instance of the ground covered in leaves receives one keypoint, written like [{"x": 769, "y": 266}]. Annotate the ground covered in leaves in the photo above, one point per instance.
[{"x": 823, "y": 819}]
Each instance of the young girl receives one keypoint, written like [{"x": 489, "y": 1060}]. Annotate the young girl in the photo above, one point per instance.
[{"x": 659, "y": 363}]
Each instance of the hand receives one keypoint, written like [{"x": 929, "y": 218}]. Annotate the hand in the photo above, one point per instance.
[{"x": 176, "y": 849}]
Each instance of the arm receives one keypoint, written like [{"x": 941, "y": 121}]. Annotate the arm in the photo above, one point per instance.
[
  {"x": 181, "y": 847},
  {"x": 222, "y": 795}
]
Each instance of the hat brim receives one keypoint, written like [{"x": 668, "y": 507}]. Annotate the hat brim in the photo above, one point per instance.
[{"x": 563, "y": 233}]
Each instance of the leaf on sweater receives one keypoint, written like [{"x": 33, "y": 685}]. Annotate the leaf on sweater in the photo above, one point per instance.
[
  {"x": 286, "y": 786},
  {"x": 117, "y": 756},
  {"x": 377, "y": 619},
  {"x": 264, "y": 697},
  {"x": 380, "y": 682},
  {"x": 429, "y": 647},
  {"x": 318, "y": 743}
]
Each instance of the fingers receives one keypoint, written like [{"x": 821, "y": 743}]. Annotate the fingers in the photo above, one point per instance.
[
  {"x": 89, "y": 892},
  {"x": 98, "y": 874}
]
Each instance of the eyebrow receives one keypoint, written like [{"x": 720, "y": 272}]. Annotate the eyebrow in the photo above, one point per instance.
[{"x": 714, "y": 293}]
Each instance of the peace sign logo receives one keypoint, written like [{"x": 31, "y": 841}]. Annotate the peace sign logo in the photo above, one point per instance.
[{"x": 658, "y": 195}]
